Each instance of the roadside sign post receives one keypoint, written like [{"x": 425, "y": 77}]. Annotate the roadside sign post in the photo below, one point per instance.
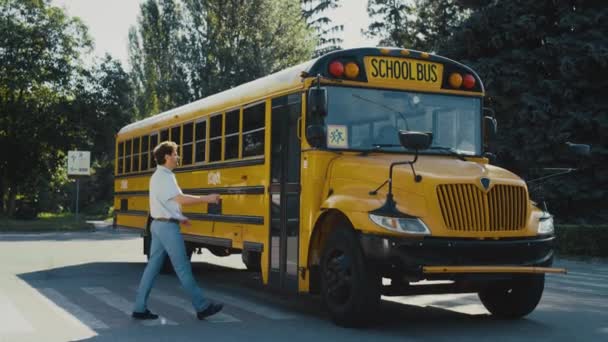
[{"x": 79, "y": 164}]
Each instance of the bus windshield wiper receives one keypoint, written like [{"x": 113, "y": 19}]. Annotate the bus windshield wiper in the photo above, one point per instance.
[
  {"x": 377, "y": 147},
  {"x": 450, "y": 150},
  {"x": 383, "y": 106}
]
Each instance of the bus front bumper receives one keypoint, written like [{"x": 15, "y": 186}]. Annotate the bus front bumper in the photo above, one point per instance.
[{"x": 431, "y": 257}]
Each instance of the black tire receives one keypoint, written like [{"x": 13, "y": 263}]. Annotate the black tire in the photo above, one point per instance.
[
  {"x": 515, "y": 298},
  {"x": 349, "y": 285},
  {"x": 253, "y": 260}
]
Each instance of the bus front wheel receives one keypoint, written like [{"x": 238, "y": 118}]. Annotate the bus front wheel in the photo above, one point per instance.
[
  {"x": 515, "y": 298},
  {"x": 349, "y": 285}
]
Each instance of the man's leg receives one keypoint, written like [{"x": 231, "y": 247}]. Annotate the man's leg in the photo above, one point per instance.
[
  {"x": 155, "y": 262},
  {"x": 174, "y": 245}
]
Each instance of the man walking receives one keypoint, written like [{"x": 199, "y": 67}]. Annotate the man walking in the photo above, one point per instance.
[{"x": 166, "y": 199}]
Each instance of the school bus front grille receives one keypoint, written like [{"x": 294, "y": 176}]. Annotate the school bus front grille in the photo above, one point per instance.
[{"x": 465, "y": 207}]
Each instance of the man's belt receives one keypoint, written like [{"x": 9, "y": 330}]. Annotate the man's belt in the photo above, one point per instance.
[{"x": 162, "y": 219}]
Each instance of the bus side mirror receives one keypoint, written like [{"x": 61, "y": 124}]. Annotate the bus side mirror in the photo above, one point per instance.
[
  {"x": 316, "y": 135},
  {"x": 415, "y": 140},
  {"x": 317, "y": 102},
  {"x": 490, "y": 127}
]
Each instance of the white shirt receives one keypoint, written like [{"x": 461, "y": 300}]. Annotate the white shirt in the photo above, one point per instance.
[{"x": 163, "y": 189}]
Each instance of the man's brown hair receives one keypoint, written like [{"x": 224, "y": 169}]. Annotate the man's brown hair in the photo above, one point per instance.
[{"x": 165, "y": 147}]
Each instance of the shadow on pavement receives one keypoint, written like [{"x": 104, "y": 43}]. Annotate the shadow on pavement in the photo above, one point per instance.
[{"x": 393, "y": 320}]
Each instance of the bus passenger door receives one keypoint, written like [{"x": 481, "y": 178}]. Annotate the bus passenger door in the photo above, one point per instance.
[{"x": 284, "y": 193}]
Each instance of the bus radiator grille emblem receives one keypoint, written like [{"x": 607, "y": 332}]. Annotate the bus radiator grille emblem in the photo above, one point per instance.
[{"x": 485, "y": 183}]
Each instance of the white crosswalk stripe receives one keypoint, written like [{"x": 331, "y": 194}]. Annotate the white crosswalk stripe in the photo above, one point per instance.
[
  {"x": 12, "y": 319},
  {"x": 185, "y": 305},
  {"x": 78, "y": 312},
  {"x": 121, "y": 304},
  {"x": 251, "y": 306},
  {"x": 466, "y": 303}
]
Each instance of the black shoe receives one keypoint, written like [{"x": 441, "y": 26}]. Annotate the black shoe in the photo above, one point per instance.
[
  {"x": 144, "y": 315},
  {"x": 212, "y": 309}
]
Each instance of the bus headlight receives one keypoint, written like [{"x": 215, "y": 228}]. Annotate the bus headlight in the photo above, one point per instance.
[
  {"x": 402, "y": 225},
  {"x": 545, "y": 224}
]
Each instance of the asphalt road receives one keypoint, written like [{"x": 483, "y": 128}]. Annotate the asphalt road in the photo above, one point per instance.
[{"x": 81, "y": 286}]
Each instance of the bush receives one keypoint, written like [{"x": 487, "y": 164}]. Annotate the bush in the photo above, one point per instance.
[{"x": 582, "y": 240}]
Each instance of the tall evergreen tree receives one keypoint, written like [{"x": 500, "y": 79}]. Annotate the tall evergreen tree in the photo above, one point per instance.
[
  {"x": 153, "y": 46},
  {"x": 328, "y": 34},
  {"x": 544, "y": 64},
  {"x": 418, "y": 24},
  {"x": 216, "y": 45},
  {"x": 393, "y": 23}
]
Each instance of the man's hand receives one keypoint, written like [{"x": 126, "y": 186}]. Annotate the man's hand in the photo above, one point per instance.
[
  {"x": 212, "y": 198},
  {"x": 186, "y": 222}
]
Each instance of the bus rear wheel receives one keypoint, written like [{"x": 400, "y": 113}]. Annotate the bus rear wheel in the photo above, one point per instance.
[
  {"x": 515, "y": 298},
  {"x": 349, "y": 285}
]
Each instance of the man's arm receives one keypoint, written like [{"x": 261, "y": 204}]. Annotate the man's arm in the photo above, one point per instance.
[{"x": 184, "y": 199}]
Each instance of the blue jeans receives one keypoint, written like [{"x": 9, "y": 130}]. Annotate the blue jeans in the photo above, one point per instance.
[{"x": 167, "y": 239}]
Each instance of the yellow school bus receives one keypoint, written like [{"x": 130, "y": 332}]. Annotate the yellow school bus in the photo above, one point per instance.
[{"x": 354, "y": 175}]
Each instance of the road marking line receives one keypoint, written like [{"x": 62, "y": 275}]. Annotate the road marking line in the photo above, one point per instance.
[
  {"x": 122, "y": 304},
  {"x": 469, "y": 309},
  {"x": 250, "y": 306},
  {"x": 426, "y": 300},
  {"x": 76, "y": 311},
  {"x": 12, "y": 319},
  {"x": 187, "y": 306}
]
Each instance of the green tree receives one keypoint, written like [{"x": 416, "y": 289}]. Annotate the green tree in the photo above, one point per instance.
[
  {"x": 40, "y": 51},
  {"x": 421, "y": 24},
  {"x": 393, "y": 23},
  {"x": 217, "y": 45},
  {"x": 437, "y": 20},
  {"x": 154, "y": 43},
  {"x": 328, "y": 34},
  {"x": 544, "y": 64}
]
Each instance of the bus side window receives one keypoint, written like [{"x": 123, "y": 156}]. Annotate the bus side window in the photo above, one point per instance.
[
  {"x": 232, "y": 135},
  {"x": 253, "y": 130},
  {"x": 215, "y": 138},
  {"x": 176, "y": 138},
  {"x": 164, "y": 135},
  {"x": 187, "y": 144},
  {"x": 153, "y": 143},
  {"x": 144, "y": 152},
  {"x": 136, "y": 154},
  {"x": 200, "y": 136},
  {"x": 121, "y": 157},
  {"x": 128, "y": 154}
]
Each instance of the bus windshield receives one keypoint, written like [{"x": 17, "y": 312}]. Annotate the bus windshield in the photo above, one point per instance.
[{"x": 370, "y": 119}]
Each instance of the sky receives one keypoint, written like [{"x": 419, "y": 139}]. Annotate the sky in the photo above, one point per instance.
[{"x": 109, "y": 21}]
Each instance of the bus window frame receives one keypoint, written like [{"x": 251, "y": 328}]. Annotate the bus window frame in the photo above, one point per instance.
[
  {"x": 152, "y": 158},
  {"x": 205, "y": 140},
  {"x": 220, "y": 137},
  {"x": 237, "y": 134},
  {"x": 190, "y": 143},
  {"x": 263, "y": 128},
  {"x": 120, "y": 157}
]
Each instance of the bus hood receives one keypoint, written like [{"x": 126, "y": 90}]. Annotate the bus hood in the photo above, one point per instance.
[{"x": 356, "y": 176}]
